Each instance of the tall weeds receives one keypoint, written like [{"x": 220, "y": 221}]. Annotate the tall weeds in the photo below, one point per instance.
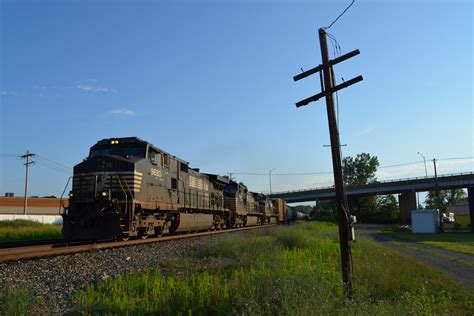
[{"x": 286, "y": 271}]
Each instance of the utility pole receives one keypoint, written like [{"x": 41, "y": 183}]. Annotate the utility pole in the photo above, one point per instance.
[
  {"x": 329, "y": 87},
  {"x": 438, "y": 198},
  {"x": 27, "y": 156}
]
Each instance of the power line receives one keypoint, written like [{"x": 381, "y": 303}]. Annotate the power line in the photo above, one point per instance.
[
  {"x": 52, "y": 167},
  {"x": 459, "y": 158},
  {"x": 328, "y": 27},
  {"x": 54, "y": 162},
  {"x": 335, "y": 43},
  {"x": 329, "y": 172},
  {"x": 402, "y": 164},
  {"x": 280, "y": 174}
]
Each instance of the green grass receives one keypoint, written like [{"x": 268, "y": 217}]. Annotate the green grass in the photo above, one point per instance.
[
  {"x": 432, "y": 252},
  {"x": 28, "y": 230},
  {"x": 455, "y": 241},
  {"x": 16, "y": 300},
  {"x": 285, "y": 271}
]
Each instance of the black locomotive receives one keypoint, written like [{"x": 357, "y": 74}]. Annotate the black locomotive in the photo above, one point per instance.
[{"x": 127, "y": 187}]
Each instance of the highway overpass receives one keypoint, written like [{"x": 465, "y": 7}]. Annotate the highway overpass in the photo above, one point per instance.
[{"x": 405, "y": 188}]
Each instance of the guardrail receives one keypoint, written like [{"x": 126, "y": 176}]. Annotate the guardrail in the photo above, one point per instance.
[{"x": 380, "y": 182}]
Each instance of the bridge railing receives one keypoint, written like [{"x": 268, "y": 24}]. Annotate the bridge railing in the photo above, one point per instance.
[{"x": 383, "y": 181}]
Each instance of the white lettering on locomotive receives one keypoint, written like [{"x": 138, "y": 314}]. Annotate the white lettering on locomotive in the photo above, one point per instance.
[{"x": 155, "y": 172}]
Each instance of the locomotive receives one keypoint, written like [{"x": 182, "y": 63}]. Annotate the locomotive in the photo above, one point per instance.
[{"x": 127, "y": 187}]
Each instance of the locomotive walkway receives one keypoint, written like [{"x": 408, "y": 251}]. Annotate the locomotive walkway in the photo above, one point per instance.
[{"x": 406, "y": 188}]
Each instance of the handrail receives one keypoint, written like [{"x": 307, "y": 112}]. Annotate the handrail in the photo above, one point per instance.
[
  {"x": 121, "y": 182},
  {"x": 123, "y": 190},
  {"x": 62, "y": 194}
]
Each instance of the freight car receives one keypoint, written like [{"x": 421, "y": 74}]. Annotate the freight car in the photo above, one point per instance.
[
  {"x": 286, "y": 213},
  {"x": 127, "y": 187}
]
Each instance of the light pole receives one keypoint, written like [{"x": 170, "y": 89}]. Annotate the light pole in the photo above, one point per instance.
[
  {"x": 424, "y": 160},
  {"x": 270, "y": 176}
]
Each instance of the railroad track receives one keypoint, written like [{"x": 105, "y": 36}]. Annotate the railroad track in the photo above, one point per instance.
[
  {"x": 26, "y": 243},
  {"x": 23, "y": 252}
]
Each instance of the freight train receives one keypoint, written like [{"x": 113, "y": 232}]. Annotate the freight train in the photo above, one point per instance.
[{"x": 127, "y": 187}]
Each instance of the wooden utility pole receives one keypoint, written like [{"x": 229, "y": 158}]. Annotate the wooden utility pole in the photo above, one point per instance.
[
  {"x": 27, "y": 156},
  {"x": 341, "y": 202},
  {"x": 345, "y": 230}
]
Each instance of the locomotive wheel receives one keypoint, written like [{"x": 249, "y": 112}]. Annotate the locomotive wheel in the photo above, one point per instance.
[
  {"x": 142, "y": 233},
  {"x": 158, "y": 231},
  {"x": 125, "y": 237}
]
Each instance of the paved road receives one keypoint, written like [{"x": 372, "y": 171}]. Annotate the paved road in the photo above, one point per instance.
[{"x": 456, "y": 265}]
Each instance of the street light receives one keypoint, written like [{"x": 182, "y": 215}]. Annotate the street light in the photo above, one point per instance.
[
  {"x": 424, "y": 159},
  {"x": 270, "y": 176}
]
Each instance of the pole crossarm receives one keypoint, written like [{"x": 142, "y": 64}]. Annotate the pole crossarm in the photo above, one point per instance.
[
  {"x": 318, "y": 96},
  {"x": 321, "y": 67}
]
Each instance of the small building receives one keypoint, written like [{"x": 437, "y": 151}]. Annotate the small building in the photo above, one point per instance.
[
  {"x": 425, "y": 221},
  {"x": 36, "y": 206}
]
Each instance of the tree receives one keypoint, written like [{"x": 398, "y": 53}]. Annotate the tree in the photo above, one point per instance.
[
  {"x": 360, "y": 170},
  {"x": 446, "y": 198},
  {"x": 387, "y": 207}
]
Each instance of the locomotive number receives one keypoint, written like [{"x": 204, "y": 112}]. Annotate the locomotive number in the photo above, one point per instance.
[{"x": 155, "y": 172}]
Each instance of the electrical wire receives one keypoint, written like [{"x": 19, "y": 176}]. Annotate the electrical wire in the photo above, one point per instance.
[
  {"x": 328, "y": 27},
  {"x": 460, "y": 158},
  {"x": 330, "y": 172},
  {"x": 402, "y": 164},
  {"x": 53, "y": 162},
  {"x": 337, "y": 47},
  {"x": 51, "y": 167},
  {"x": 279, "y": 174}
]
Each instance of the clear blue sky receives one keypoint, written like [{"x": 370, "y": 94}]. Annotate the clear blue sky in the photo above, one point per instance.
[{"x": 211, "y": 82}]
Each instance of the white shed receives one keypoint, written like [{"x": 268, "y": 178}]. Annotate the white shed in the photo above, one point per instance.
[{"x": 425, "y": 221}]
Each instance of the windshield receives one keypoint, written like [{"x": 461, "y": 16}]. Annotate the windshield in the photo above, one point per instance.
[{"x": 119, "y": 151}]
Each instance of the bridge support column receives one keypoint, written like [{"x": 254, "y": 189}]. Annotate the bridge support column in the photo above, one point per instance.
[
  {"x": 406, "y": 204},
  {"x": 317, "y": 206},
  {"x": 470, "y": 194}
]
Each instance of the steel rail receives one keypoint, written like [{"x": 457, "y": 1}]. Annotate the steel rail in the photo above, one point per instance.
[
  {"x": 27, "y": 243},
  {"x": 41, "y": 251}
]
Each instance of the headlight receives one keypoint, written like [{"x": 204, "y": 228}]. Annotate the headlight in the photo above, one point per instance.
[
  {"x": 71, "y": 194},
  {"x": 104, "y": 193}
]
